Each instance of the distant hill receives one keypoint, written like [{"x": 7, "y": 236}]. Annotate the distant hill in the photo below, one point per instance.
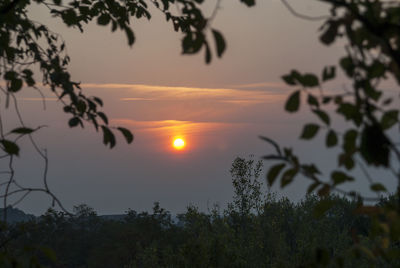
[{"x": 15, "y": 215}]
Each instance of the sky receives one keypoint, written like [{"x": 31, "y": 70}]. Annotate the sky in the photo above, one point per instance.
[{"x": 218, "y": 109}]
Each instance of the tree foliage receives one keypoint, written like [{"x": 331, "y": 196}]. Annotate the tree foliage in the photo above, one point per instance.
[
  {"x": 278, "y": 234},
  {"x": 371, "y": 33}
]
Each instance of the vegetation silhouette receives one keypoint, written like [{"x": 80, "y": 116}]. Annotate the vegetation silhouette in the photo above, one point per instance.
[
  {"x": 270, "y": 232},
  {"x": 371, "y": 35}
]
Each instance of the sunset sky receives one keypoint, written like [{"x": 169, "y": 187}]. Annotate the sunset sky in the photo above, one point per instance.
[{"x": 218, "y": 109}]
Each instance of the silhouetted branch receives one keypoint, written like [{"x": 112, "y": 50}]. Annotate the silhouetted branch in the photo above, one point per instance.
[{"x": 302, "y": 16}]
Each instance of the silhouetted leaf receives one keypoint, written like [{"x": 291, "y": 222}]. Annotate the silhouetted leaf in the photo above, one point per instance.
[
  {"x": 312, "y": 187},
  {"x": 324, "y": 190},
  {"x": 389, "y": 119},
  {"x": 219, "y": 42},
  {"x": 249, "y": 2},
  {"x": 313, "y": 101},
  {"x": 73, "y": 122},
  {"x": 329, "y": 35},
  {"x": 350, "y": 112},
  {"x": 348, "y": 66},
  {"x": 273, "y": 143},
  {"x": 22, "y": 130},
  {"x": 127, "y": 134},
  {"x": 98, "y": 100},
  {"x": 272, "y": 157},
  {"x": 15, "y": 85},
  {"x": 378, "y": 187},
  {"x": 323, "y": 116},
  {"x": 309, "y": 131},
  {"x": 274, "y": 172},
  {"x": 328, "y": 73},
  {"x": 293, "y": 102},
  {"x": 374, "y": 146},
  {"x": 347, "y": 160},
  {"x": 208, "y": 53},
  {"x": 309, "y": 80},
  {"x": 377, "y": 69},
  {"x": 103, "y": 19},
  {"x": 289, "y": 79},
  {"x": 10, "y": 147},
  {"x": 331, "y": 138},
  {"x": 108, "y": 137},
  {"x": 130, "y": 35},
  {"x": 349, "y": 141},
  {"x": 288, "y": 176},
  {"x": 339, "y": 177},
  {"x": 103, "y": 117}
]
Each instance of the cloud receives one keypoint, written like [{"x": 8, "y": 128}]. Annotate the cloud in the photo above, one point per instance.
[
  {"x": 235, "y": 96},
  {"x": 262, "y": 86},
  {"x": 172, "y": 126}
]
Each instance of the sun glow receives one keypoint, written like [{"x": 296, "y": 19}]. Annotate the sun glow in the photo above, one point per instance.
[{"x": 179, "y": 143}]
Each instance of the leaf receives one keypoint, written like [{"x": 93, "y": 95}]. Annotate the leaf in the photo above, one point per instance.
[
  {"x": 374, "y": 146},
  {"x": 347, "y": 160},
  {"x": 273, "y": 173},
  {"x": 324, "y": 190},
  {"x": 10, "y": 147},
  {"x": 312, "y": 187},
  {"x": 329, "y": 36},
  {"x": 74, "y": 121},
  {"x": 249, "y": 3},
  {"x": 22, "y": 130},
  {"x": 350, "y": 112},
  {"x": 15, "y": 85},
  {"x": 288, "y": 177},
  {"x": 103, "y": 19},
  {"x": 272, "y": 157},
  {"x": 108, "y": 137},
  {"x": 103, "y": 117},
  {"x": 309, "y": 80},
  {"x": 313, "y": 101},
  {"x": 389, "y": 119},
  {"x": 378, "y": 187},
  {"x": 289, "y": 79},
  {"x": 377, "y": 69},
  {"x": 293, "y": 102},
  {"x": 219, "y": 42},
  {"x": 347, "y": 65},
  {"x": 328, "y": 73},
  {"x": 98, "y": 100},
  {"x": 331, "y": 138},
  {"x": 273, "y": 143},
  {"x": 130, "y": 35},
  {"x": 127, "y": 134},
  {"x": 323, "y": 116},
  {"x": 309, "y": 131},
  {"x": 339, "y": 177},
  {"x": 349, "y": 141},
  {"x": 208, "y": 54}
]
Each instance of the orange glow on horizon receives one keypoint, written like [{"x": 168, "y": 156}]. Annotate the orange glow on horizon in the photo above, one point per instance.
[{"x": 178, "y": 143}]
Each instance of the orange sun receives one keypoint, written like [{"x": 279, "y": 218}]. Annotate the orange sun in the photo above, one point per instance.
[{"x": 179, "y": 143}]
